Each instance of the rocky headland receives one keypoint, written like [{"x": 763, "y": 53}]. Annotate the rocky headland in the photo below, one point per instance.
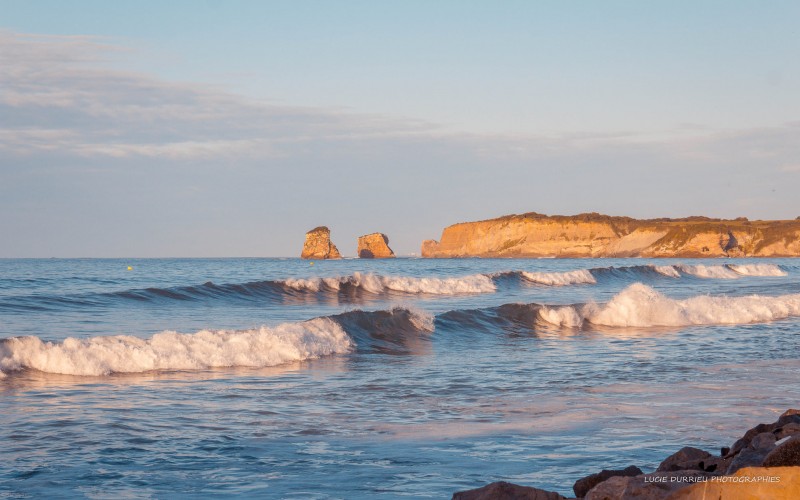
[
  {"x": 762, "y": 464},
  {"x": 597, "y": 235},
  {"x": 318, "y": 245},
  {"x": 374, "y": 246}
]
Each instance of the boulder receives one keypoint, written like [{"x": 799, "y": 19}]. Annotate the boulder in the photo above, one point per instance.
[
  {"x": 318, "y": 245},
  {"x": 685, "y": 458},
  {"x": 582, "y": 486},
  {"x": 778, "y": 483},
  {"x": 754, "y": 454},
  {"x": 787, "y": 454},
  {"x": 374, "y": 246},
  {"x": 655, "y": 486},
  {"x": 502, "y": 490}
]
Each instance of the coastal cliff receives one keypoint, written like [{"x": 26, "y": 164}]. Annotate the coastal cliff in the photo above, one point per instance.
[{"x": 597, "y": 235}]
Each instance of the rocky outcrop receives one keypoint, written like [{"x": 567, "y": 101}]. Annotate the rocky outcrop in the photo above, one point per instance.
[
  {"x": 374, "y": 246},
  {"x": 764, "y": 463},
  {"x": 778, "y": 483},
  {"x": 318, "y": 245},
  {"x": 582, "y": 486},
  {"x": 597, "y": 235},
  {"x": 506, "y": 491}
]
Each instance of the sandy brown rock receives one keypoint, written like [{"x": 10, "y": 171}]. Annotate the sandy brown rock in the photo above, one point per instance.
[
  {"x": 685, "y": 458},
  {"x": 582, "y": 486},
  {"x": 318, "y": 245},
  {"x": 597, "y": 235},
  {"x": 374, "y": 246},
  {"x": 655, "y": 486},
  {"x": 754, "y": 483},
  {"x": 502, "y": 490}
]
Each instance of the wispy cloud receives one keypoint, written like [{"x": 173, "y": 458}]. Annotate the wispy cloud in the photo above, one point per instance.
[{"x": 59, "y": 93}]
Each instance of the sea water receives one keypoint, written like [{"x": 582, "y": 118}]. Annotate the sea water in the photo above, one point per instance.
[{"x": 414, "y": 378}]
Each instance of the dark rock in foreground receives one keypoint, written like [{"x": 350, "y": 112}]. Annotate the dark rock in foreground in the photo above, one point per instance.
[
  {"x": 506, "y": 491},
  {"x": 763, "y": 464},
  {"x": 582, "y": 486}
]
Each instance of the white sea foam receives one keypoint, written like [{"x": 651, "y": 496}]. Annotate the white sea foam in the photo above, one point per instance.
[
  {"x": 265, "y": 346},
  {"x": 758, "y": 269},
  {"x": 476, "y": 283},
  {"x": 667, "y": 271},
  {"x": 422, "y": 320},
  {"x": 730, "y": 271},
  {"x": 640, "y": 305},
  {"x": 561, "y": 316},
  {"x": 580, "y": 276}
]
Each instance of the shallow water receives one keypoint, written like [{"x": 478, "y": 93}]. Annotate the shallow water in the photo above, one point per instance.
[{"x": 461, "y": 372}]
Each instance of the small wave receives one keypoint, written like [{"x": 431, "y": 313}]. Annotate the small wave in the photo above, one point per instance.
[
  {"x": 561, "y": 316},
  {"x": 373, "y": 283},
  {"x": 703, "y": 271},
  {"x": 667, "y": 271},
  {"x": 731, "y": 271},
  {"x": 757, "y": 269},
  {"x": 641, "y": 306},
  {"x": 580, "y": 276},
  {"x": 396, "y": 331}
]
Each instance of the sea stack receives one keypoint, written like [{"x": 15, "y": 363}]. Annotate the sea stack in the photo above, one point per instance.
[
  {"x": 374, "y": 246},
  {"x": 318, "y": 245}
]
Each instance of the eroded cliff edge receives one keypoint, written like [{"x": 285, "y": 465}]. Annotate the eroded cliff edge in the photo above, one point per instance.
[{"x": 597, "y": 235}]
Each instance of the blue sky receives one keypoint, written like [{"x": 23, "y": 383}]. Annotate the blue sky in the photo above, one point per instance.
[{"x": 230, "y": 128}]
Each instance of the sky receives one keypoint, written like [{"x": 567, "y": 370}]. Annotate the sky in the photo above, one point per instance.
[{"x": 230, "y": 128}]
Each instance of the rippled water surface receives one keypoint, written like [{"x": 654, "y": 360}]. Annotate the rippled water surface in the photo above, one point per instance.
[{"x": 418, "y": 378}]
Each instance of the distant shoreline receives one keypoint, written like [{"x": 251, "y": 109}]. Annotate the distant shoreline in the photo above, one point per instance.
[{"x": 593, "y": 235}]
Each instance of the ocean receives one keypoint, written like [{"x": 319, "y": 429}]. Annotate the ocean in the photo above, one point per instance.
[{"x": 401, "y": 378}]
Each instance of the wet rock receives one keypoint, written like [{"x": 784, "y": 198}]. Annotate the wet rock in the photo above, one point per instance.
[
  {"x": 685, "y": 458},
  {"x": 754, "y": 454},
  {"x": 787, "y": 430},
  {"x": 779, "y": 483},
  {"x": 374, "y": 246},
  {"x": 787, "y": 454},
  {"x": 655, "y": 486},
  {"x": 318, "y": 245},
  {"x": 790, "y": 416},
  {"x": 582, "y": 486},
  {"x": 502, "y": 490}
]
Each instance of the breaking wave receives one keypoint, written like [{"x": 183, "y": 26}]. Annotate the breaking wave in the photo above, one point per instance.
[
  {"x": 375, "y": 331},
  {"x": 581, "y": 276},
  {"x": 637, "y": 306},
  {"x": 373, "y": 283},
  {"x": 731, "y": 271},
  {"x": 641, "y": 306}
]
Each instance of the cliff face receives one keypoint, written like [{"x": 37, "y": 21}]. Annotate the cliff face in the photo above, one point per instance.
[
  {"x": 318, "y": 245},
  {"x": 596, "y": 235},
  {"x": 374, "y": 246}
]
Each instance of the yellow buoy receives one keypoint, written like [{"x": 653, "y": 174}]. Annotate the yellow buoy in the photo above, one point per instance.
[
  {"x": 130, "y": 268},
  {"x": 311, "y": 263}
]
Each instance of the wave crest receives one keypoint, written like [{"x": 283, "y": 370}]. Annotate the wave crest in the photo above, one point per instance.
[
  {"x": 261, "y": 347},
  {"x": 580, "y": 276},
  {"x": 476, "y": 283},
  {"x": 641, "y": 306}
]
